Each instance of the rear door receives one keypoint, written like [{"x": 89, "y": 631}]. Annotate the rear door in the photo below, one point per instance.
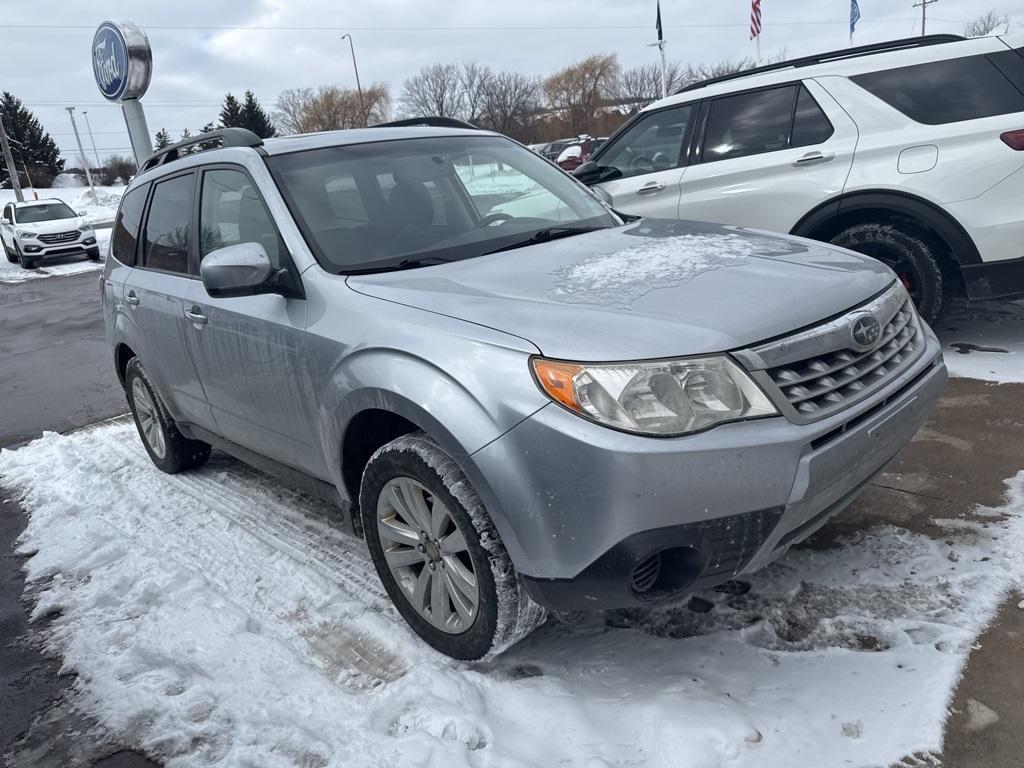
[
  {"x": 250, "y": 350},
  {"x": 154, "y": 293},
  {"x": 645, "y": 163},
  {"x": 124, "y": 240},
  {"x": 766, "y": 157}
]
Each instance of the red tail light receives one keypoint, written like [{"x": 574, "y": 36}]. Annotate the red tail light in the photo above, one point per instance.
[{"x": 1014, "y": 140}]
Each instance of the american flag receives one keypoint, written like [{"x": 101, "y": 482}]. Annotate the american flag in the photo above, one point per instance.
[{"x": 755, "y": 18}]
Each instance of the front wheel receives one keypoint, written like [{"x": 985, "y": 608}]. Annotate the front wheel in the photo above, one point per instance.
[
  {"x": 909, "y": 255},
  {"x": 23, "y": 260},
  {"x": 11, "y": 255},
  {"x": 93, "y": 254},
  {"x": 438, "y": 554},
  {"x": 170, "y": 450}
]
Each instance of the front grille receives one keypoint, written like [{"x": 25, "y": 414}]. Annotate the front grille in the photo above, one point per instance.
[
  {"x": 59, "y": 237},
  {"x": 820, "y": 385}
]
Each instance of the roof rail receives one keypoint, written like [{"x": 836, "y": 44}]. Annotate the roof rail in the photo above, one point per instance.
[
  {"x": 225, "y": 137},
  {"x": 821, "y": 58},
  {"x": 428, "y": 122}
]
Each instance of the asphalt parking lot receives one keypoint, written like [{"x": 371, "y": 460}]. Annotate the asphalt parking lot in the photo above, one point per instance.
[{"x": 57, "y": 376}]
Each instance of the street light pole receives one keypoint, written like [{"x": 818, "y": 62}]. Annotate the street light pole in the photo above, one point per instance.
[
  {"x": 12, "y": 170},
  {"x": 85, "y": 163},
  {"x": 85, "y": 114},
  {"x": 359, "y": 86}
]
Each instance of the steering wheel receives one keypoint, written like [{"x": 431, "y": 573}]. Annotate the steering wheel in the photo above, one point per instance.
[
  {"x": 641, "y": 165},
  {"x": 495, "y": 218}
]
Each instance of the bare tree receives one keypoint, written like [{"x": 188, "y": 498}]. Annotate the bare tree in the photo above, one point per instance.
[
  {"x": 509, "y": 100},
  {"x": 641, "y": 85},
  {"x": 435, "y": 90},
  {"x": 474, "y": 80},
  {"x": 329, "y": 108},
  {"x": 579, "y": 91},
  {"x": 986, "y": 24}
]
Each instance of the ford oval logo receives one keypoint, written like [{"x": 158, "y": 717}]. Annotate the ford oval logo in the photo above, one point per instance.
[
  {"x": 110, "y": 61},
  {"x": 865, "y": 331}
]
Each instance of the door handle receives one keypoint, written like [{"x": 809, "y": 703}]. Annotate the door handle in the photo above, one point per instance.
[
  {"x": 650, "y": 188},
  {"x": 196, "y": 315},
  {"x": 131, "y": 299},
  {"x": 814, "y": 157}
]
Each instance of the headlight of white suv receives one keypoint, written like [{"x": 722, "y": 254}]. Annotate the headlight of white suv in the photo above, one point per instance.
[
  {"x": 658, "y": 397},
  {"x": 26, "y": 234}
]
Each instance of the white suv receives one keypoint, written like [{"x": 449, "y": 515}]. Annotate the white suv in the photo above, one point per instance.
[
  {"x": 910, "y": 151},
  {"x": 39, "y": 230}
]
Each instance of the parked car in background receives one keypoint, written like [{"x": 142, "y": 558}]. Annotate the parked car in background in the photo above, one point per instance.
[
  {"x": 910, "y": 151},
  {"x": 38, "y": 230},
  {"x": 519, "y": 411},
  {"x": 573, "y": 156},
  {"x": 553, "y": 149}
]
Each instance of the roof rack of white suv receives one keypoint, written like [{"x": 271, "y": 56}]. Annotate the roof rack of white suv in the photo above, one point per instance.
[
  {"x": 428, "y": 122},
  {"x": 225, "y": 137},
  {"x": 821, "y": 58}
]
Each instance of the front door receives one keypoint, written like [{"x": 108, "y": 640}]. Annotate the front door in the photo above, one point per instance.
[{"x": 250, "y": 350}]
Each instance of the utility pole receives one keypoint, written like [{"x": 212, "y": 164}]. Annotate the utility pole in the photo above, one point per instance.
[
  {"x": 85, "y": 114},
  {"x": 923, "y": 5},
  {"x": 12, "y": 170},
  {"x": 359, "y": 87},
  {"x": 85, "y": 163}
]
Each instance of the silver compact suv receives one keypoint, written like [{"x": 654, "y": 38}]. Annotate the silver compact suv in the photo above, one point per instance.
[{"x": 523, "y": 401}]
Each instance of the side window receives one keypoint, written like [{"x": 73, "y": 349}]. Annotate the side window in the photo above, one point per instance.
[
  {"x": 652, "y": 143},
  {"x": 126, "y": 228},
  {"x": 810, "y": 124},
  {"x": 749, "y": 124},
  {"x": 165, "y": 245},
  {"x": 232, "y": 212},
  {"x": 9, "y": 212},
  {"x": 949, "y": 91}
]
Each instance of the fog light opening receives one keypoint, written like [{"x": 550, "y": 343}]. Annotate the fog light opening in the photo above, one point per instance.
[{"x": 666, "y": 572}]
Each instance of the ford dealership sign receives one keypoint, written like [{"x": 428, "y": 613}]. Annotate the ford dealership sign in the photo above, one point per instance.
[{"x": 121, "y": 60}]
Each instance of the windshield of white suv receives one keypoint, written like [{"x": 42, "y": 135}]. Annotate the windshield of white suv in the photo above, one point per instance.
[
  {"x": 411, "y": 202},
  {"x": 32, "y": 214}
]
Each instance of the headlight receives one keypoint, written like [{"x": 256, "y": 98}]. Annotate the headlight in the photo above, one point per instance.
[
  {"x": 26, "y": 234},
  {"x": 85, "y": 228},
  {"x": 660, "y": 397}
]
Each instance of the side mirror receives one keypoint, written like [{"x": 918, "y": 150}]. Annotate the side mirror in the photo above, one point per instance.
[
  {"x": 81, "y": 213},
  {"x": 5, "y": 220},
  {"x": 243, "y": 270},
  {"x": 592, "y": 173}
]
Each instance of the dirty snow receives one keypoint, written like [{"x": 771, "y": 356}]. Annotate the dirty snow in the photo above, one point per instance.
[
  {"x": 622, "y": 277},
  {"x": 984, "y": 340},
  {"x": 217, "y": 618}
]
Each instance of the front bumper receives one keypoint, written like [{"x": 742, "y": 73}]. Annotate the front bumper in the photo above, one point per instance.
[
  {"x": 588, "y": 513},
  {"x": 39, "y": 251}
]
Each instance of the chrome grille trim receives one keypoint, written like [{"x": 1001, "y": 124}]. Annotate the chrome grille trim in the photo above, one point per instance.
[
  {"x": 59, "y": 237},
  {"x": 820, "y": 371}
]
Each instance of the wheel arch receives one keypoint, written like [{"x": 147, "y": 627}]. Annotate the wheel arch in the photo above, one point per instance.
[
  {"x": 122, "y": 356},
  {"x": 828, "y": 219}
]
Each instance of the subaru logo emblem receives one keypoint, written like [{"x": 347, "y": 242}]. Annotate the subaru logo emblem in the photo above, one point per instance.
[{"x": 865, "y": 331}]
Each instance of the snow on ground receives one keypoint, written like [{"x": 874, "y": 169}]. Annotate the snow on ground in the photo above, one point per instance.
[
  {"x": 984, "y": 340},
  {"x": 217, "y": 618}
]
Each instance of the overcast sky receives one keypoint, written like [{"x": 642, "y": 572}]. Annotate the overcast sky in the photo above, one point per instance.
[{"x": 205, "y": 48}]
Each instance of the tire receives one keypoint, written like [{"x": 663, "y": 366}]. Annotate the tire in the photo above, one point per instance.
[
  {"x": 909, "y": 255},
  {"x": 466, "y": 543},
  {"x": 170, "y": 450},
  {"x": 11, "y": 255},
  {"x": 93, "y": 254},
  {"x": 25, "y": 262}
]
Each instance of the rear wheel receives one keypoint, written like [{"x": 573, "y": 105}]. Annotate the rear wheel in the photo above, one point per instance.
[
  {"x": 909, "y": 255},
  {"x": 438, "y": 554},
  {"x": 170, "y": 450}
]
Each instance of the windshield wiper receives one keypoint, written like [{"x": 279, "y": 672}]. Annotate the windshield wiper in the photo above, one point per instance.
[
  {"x": 544, "y": 236},
  {"x": 411, "y": 263}
]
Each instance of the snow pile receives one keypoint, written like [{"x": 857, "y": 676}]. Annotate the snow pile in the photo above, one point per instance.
[
  {"x": 217, "y": 618},
  {"x": 984, "y": 340},
  {"x": 78, "y": 198}
]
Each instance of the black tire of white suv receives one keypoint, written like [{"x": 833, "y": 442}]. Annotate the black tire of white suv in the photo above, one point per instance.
[
  {"x": 170, "y": 450},
  {"x": 910, "y": 256},
  {"x": 505, "y": 613},
  {"x": 24, "y": 261},
  {"x": 11, "y": 255}
]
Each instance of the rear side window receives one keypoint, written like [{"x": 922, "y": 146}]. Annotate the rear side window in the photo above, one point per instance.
[
  {"x": 810, "y": 124},
  {"x": 126, "y": 229},
  {"x": 948, "y": 91},
  {"x": 749, "y": 124},
  {"x": 165, "y": 246}
]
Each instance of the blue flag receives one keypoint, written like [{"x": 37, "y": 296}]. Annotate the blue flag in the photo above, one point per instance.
[{"x": 854, "y": 15}]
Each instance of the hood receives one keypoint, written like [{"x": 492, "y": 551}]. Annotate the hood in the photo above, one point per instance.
[
  {"x": 650, "y": 289},
  {"x": 51, "y": 227}
]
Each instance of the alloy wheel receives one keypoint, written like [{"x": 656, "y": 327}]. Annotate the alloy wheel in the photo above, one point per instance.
[
  {"x": 149, "y": 423},
  {"x": 427, "y": 555}
]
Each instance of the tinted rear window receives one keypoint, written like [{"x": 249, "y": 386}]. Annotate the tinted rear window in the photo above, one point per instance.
[
  {"x": 166, "y": 239},
  {"x": 948, "y": 91},
  {"x": 810, "y": 124},
  {"x": 126, "y": 228}
]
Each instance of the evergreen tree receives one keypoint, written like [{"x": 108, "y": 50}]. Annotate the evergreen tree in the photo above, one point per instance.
[
  {"x": 210, "y": 126},
  {"x": 255, "y": 118},
  {"x": 30, "y": 144},
  {"x": 163, "y": 139},
  {"x": 231, "y": 113}
]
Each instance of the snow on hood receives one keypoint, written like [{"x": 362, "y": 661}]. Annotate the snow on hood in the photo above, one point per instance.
[{"x": 652, "y": 289}]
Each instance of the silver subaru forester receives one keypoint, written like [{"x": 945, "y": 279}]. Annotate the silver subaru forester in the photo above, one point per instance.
[{"x": 525, "y": 402}]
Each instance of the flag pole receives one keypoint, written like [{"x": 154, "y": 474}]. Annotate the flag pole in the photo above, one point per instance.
[{"x": 664, "y": 69}]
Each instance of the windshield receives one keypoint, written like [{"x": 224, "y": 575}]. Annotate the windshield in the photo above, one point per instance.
[
  {"x": 31, "y": 214},
  {"x": 397, "y": 203}
]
